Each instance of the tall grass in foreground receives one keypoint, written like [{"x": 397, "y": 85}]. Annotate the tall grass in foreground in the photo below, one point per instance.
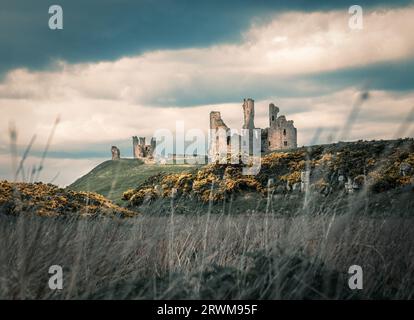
[{"x": 206, "y": 256}]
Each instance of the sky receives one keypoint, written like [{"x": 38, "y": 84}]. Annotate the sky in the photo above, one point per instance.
[{"x": 124, "y": 68}]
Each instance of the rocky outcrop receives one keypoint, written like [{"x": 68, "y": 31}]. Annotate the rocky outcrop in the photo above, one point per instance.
[
  {"x": 50, "y": 201},
  {"x": 332, "y": 169}
]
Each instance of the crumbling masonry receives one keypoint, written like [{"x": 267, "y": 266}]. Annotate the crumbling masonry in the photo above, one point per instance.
[
  {"x": 116, "y": 154},
  {"x": 280, "y": 135},
  {"x": 140, "y": 150}
]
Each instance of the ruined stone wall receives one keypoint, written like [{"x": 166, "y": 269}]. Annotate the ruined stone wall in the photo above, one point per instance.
[
  {"x": 153, "y": 146},
  {"x": 135, "y": 149},
  {"x": 216, "y": 122},
  {"x": 116, "y": 153},
  {"x": 140, "y": 150},
  {"x": 248, "y": 111},
  {"x": 282, "y": 135},
  {"x": 273, "y": 111},
  {"x": 219, "y": 139}
]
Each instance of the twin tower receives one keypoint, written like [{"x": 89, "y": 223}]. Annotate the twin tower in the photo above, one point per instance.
[{"x": 281, "y": 133}]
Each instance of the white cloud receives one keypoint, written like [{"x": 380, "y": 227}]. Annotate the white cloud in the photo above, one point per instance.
[{"x": 322, "y": 41}]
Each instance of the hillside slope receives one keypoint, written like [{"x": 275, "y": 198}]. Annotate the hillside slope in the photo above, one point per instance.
[
  {"x": 376, "y": 172},
  {"x": 362, "y": 168},
  {"x": 112, "y": 178}
]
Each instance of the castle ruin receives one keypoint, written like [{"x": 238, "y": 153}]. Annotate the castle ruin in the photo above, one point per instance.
[
  {"x": 116, "y": 153},
  {"x": 280, "y": 135},
  {"x": 218, "y": 127},
  {"x": 140, "y": 150}
]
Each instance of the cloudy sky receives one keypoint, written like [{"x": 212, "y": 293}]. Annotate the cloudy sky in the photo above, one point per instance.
[{"x": 123, "y": 68}]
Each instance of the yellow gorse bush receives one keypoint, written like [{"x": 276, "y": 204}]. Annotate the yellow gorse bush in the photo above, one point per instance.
[{"x": 49, "y": 200}]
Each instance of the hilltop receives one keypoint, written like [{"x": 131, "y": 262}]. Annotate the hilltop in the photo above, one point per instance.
[
  {"x": 112, "y": 178},
  {"x": 377, "y": 170}
]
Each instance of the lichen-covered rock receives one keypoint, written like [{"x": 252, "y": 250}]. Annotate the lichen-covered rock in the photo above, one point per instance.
[{"x": 50, "y": 200}]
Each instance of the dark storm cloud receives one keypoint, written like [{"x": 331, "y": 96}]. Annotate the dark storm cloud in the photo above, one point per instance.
[{"x": 105, "y": 30}]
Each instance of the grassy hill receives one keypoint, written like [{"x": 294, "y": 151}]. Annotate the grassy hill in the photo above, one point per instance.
[
  {"x": 112, "y": 178},
  {"x": 334, "y": 170},
  {"x": 373, "y": 174}
]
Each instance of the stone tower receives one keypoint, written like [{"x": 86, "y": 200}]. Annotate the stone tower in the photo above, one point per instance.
[
  {"x": 138, "y": 145},
  {"x": 218, "y": 140},
  {"x": 137, "y": 149},
  {"x": 140, "y": 150},
  {"x": 248, "y": 111},
  {"x": 116, "y": 154},
  {"x": 216, "y": 122},
  {"x": 281, "y": 133},
  {"x": 153, "y": 145},
  {"x": 273, "y": 111}
]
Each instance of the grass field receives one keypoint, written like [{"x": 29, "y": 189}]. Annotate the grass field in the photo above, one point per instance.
[
  {"x": 112, "y": 178},
  {"x": 252, "y": 256}
]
